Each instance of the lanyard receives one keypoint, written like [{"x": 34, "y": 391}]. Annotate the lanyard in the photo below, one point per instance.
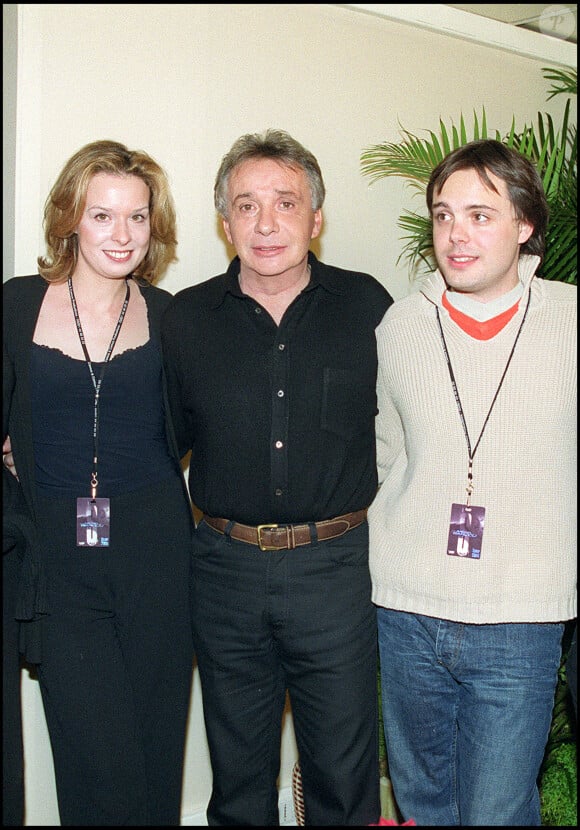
[
  {"x": 97, "y": 383},
  {"x": 470, "y": 451}
]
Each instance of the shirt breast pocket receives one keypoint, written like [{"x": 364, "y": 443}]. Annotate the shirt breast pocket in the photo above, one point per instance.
[{"x": 349, "y": 402}]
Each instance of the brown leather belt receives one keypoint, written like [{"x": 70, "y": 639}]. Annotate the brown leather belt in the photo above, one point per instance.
[{"x": 287, "y": 537}]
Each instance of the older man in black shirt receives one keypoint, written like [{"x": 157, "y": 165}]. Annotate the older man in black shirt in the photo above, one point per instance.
[{"x": 271, "y": 371}]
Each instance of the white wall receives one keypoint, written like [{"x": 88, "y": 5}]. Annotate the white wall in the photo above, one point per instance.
[{"x": 183, "y": 82}]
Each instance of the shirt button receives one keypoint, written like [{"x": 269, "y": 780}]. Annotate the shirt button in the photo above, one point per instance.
[
  {"x": 258, "y": 310},
  {"x": 279, "y": 445},
  {"x": 281, "y": 346},
  {"x": 280, "y": 393},
  {"x": 278, "y": 492}
]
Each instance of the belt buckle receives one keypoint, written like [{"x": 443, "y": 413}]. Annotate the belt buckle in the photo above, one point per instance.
[{"x": 261, "y": 545}]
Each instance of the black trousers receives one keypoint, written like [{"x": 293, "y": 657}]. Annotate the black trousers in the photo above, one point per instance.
[
  {"x": 117, "y": 660},
  {"x": 301, "y": 620}
]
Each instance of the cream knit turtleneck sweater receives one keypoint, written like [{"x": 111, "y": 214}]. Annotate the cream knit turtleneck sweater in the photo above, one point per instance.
[{"x": 524, "y": 470}]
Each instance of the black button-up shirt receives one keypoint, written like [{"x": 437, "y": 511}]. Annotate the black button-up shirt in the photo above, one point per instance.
[{"x": 279, "y": 418}]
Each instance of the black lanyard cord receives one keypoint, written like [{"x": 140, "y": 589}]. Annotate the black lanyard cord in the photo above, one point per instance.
[
  {"x": 97, "y": 383},
  {"x": 458, "y": 399}
]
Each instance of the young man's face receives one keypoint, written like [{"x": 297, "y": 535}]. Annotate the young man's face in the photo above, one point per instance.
[{"x": 476, "y": 236}]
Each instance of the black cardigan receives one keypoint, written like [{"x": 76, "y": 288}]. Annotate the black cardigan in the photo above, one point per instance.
[{"x": 22, "y": 299}]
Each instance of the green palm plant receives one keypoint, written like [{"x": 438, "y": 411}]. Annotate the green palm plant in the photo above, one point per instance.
[{"x": 553, "y": 151}]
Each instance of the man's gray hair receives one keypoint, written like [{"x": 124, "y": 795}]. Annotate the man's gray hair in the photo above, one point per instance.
[{"x": 271, "y": 144}]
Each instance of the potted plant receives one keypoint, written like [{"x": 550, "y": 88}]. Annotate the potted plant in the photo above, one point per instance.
[{"x": 554, "y": 151}]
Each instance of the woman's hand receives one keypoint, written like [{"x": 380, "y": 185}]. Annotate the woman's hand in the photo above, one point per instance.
[{"x": 7, "y": 457}]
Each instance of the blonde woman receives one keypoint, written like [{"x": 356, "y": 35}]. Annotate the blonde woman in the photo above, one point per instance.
[{"x": 103, "y": 600}]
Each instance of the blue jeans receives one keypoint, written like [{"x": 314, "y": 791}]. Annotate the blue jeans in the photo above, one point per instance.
[{"x": 467, "y": 711}]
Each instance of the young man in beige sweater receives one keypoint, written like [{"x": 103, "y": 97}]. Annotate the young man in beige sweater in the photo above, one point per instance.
[{"x": 472, "y": 533}]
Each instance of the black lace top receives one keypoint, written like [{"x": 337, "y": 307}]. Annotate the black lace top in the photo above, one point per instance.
[{"x": 133, "y": 448}]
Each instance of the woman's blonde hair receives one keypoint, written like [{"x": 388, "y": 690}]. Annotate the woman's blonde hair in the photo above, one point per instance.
[{"x": 66, "y": 202}]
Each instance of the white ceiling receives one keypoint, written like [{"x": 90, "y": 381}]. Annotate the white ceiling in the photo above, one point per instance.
[{"x": 555, "y": 20}]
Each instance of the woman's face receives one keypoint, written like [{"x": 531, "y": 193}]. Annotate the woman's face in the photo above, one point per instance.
[{"x": 114, "y": 231}]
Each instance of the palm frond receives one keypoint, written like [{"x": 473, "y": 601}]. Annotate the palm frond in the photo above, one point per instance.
[
  {"x": 414, "y": 158},
  {"x": 417, "y": 243},
  {"x": 564, "y": 81},
  {"x": 552, "y": 150}
]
